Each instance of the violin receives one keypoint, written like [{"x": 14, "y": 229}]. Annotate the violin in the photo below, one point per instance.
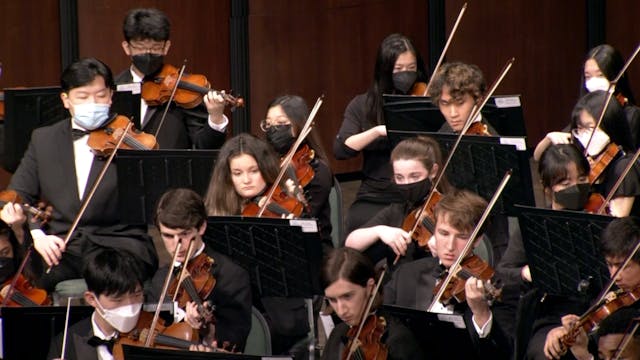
[
  {"x": 419, "y": 88},
  {"x": 179, "y": 335},
  {"x": 472, "y": 266},
  {"x": 421, "y": 230},
  {"x": 301, "y": 161},
  {"x": 102, "y": 141},
  {"x": 23, "y": 294},
  {"x": 280, "y": 205},
  {"x": 196, "y": 285},
  {"x": 41, "y": 214},
  {"x": 591, "y": 319},
  {"x": 604, "y": 159},
  {"x": 478, "y": 128},
  {"x": 368, "y": 344},
  {"x": 189, "y": 91}
]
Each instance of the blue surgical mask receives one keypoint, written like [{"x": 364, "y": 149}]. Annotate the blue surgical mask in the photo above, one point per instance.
[{"x": 90, "y": 116}]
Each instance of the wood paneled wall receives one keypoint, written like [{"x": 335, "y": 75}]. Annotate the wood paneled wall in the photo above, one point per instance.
[
  {"x": 548, "y": 41},
  {"x": 313, "y": 47},
  {"x": 325, "y": 47},
  {"x": 29, "y": 43}
]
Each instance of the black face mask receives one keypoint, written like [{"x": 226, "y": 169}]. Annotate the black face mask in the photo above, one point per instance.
[
  {"x": 403, "y": 80},
  {"x": 148, "y": 63},
  {"x": 574, "y": 197},
  {"x": 416, "y": 192},
  {"x": 7, "y": 268},
  {"x": 280, "y": 137}
]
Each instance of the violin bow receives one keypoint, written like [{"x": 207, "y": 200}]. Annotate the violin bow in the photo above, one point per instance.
[
  {"x": 365, "y": 313},
  {"x": 92, "y": 191},
  {"x": 446, "y": 47},
  {"x": 472, "y": 115},
  {"x": 466, "y": 250},
  {"x": 610, "y": 91},
  {"x": 618, "y": 182},
  {"x": 163, "y": 294},
  {"x": 173, "y": 94},
  {"x": 66, "y": 328},
  {"x": 284, "y": 164},
  {"x": 628, "y": 336}
]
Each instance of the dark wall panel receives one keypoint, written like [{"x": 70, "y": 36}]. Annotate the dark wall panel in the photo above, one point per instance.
[
  {"x": 323, "y": 47},
  {"x": 30, "y": 51},
  {"x": 623, "y": 33},
  {"x": 547, "y": 39}
]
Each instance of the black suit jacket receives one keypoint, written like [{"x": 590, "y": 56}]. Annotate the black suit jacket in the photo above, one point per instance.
[
  {"x": 77, "y": 343},
  {"x": 231, "y": 297},
  {"x": 182, "y": 128},
  {"x": 47, "y": 170},
  {"x": 412, "y": 284}
]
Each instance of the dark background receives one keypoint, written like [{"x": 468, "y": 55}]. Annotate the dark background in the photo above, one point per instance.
[{"x": 264, "y": 48}]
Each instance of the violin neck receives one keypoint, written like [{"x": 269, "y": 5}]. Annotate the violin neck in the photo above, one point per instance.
[
  {"x": 192, "y": 87},
  {"x": 172, "y": 341},
  {"x": 190, "y": 288}
]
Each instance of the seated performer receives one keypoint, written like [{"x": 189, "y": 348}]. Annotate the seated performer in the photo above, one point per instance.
[
  {"x": 416, "y": 162},
  {"x": 181, "y": 218},
  {"x": 146, "y": 41},
  {"x": 349, "y": 281},
  {"x": 114, "y": 289},
  {"x": 60, "y": 167},
  {"x": 456, "y": 89},
  {"x": 618, "y": 240},
  {"x": 412, "y": 284}
]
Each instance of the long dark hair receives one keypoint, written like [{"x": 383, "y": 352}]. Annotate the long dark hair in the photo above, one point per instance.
[
  {"x": 610, "y": 62},
  {"x": 297, "y": 111},
  {"x": 222, "y": 198},
  {"x": 390, "y": 48}
]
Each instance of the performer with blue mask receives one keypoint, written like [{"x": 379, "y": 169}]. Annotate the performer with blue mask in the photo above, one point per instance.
[{"x": 59, "y": 166}]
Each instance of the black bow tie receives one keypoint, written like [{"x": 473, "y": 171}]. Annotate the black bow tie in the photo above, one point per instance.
[
  {"x": 96, "y": 341},
  {"x": 78, "y": 133}
]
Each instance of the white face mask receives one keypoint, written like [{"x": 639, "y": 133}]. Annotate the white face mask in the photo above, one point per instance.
[
  {"x": 597, "y": 83},
  {"x": 123, "y": 318},
  {"x": 90, "y": 116},
  {"x": 598, "y": 143}
]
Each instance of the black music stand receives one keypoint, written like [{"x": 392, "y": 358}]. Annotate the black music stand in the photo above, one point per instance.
[
  {"x": 142, "y": 353},
  {"x": 418, "y": 113},
  {"x": 27, "y": 331},
  {"x": 283, "y": 257},
  {"x": 25, "y": 110},
  {"x": 126, "y": 101},
  {"x": 563, "y": 251},
  {"x": 435, "y": 332},
  {"x": 479, "y": 164},
  {"x": 144, "y": 175}
]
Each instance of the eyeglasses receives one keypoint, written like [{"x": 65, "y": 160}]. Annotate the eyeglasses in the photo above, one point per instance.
[
  {"x": 279, "y": 121},
  {"x": 157, "y": 49}
]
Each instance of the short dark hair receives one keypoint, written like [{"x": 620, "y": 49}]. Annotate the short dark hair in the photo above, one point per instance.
[
  {"x": 347, "y": 264},
  {"x": 620, "y": 237},
  {"x": 618, "y": 322},
  {"x": 83, "y": 72},
  {"x": 614, "y": 121},
  {"x": 180, "y": 209},
  {"x": 461, "y": 79},
  {"x": 141, "y": 24},
  {"x": 554, "y": 161},
  {"x": 111, "y": 271}
]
